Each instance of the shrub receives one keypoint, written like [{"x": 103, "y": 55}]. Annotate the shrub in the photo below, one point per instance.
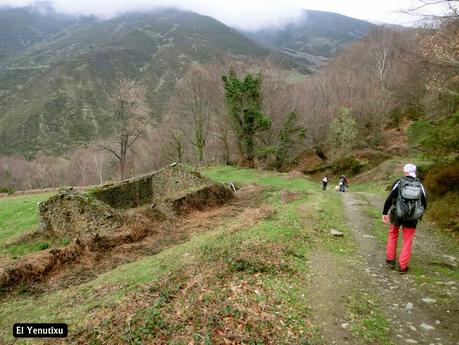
[
  {"x": 344, "y": 131},
  {"x": 436, "y": 137},
  {"x": 43, "y": 245},
  {"x": 414, "y": 112},
  {"x": 346, "y": 165},
  {"x": 442, "y": 178},
  {"x": 395, "y": 118},
  {"x": 445, "y": 212},
  {"x": 422, "y": 170},
  {"x": 418, "y": 131},
  {"x": 5, "y": 189},
  {"x": 375, "y": 139}
]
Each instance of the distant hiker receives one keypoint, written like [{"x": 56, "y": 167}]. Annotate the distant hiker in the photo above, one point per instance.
[
  {"x": 325, "y": 182},
  {"x": 342, "y": 183},
  {"x": 405, "y": 204}
]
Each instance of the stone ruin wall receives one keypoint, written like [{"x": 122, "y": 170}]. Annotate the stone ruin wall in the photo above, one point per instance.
[
  {"x": 74, "y": 214},
  {"x": 163, "y": 183}
]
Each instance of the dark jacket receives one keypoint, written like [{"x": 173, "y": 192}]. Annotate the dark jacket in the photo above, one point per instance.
[{"x": 392, "y": 199}]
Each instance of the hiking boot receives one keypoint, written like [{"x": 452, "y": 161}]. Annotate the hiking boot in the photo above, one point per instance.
[
  {"x": 390, "y": 263},
  {"x": 403, "y": 270}
]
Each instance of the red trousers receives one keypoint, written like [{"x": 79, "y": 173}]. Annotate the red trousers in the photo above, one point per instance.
[{"x": 391, "y": 247}]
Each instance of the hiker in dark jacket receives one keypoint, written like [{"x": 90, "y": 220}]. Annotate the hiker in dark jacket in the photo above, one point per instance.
[
  {"x": 408, "y": 225},
  {"x": 324, "y": 182},
  {"x": 343, "y": 184}
]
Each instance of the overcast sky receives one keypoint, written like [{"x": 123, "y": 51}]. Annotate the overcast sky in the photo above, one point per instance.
[{"x": 246, "y": 14}]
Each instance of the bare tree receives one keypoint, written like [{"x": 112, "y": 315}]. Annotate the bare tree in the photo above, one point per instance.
[
  {"x": 423, "y": 10},
  {"x": 193, "y": 109},
  {"x": 177, "y": 144},
  {"x": 441, "y": 52},
  {"x": 97, "y": 161},
  {"x": 129, "y": 120}
]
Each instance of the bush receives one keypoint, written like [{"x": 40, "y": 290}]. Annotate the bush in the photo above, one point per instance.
[
  {"x": 344, "y": 132},
  {"x": 436, "y": 137},
  {"x": 414, "y": 112},
  {"x": 395, "y": 118},
  {"x": 422, "y": 170},
  {"x": 445, "y": 212},
  {"x": 8, "y": 190},
  {"x": 442, "y": 179},
  {"x": 43, "y": 245},
  {"x": 346, "y": 165}
]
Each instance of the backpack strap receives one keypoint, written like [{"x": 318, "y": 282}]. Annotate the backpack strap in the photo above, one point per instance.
[{"x": 396, "y": 183}]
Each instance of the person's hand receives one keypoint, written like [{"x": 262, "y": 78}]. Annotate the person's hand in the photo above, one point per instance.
[{"x": 385, "y": 218}]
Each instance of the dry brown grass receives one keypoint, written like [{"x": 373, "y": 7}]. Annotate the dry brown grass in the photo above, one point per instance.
[{"x": 221, "y": 297}]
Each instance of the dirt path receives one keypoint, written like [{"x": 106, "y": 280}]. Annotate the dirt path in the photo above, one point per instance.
[
  {"x": 419, "y": 311},
  {"x": 329, "y": 287},
  {"x": 415, "y": 315}
]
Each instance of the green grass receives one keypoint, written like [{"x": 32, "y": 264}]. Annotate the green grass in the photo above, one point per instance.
[
  {"x": 18, "y": 214},
  {"x": 32, "y": 245},
  {"x": 370, "y": 187},
  {"x": 437, "y": 137},
  {"x": 368, "y": 321},
  {"x": 280, "y": 232},
  {"x": 228, "y": 174},
  {"x": 329, "y": 214},
  {"x": 378, "y": 228}
]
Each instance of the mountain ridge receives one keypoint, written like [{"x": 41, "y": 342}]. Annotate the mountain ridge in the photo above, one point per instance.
[
  {"x": 315, "y": 36},
  {"x": 55, "y": 85},
  {"x": 51, "y": 86}
]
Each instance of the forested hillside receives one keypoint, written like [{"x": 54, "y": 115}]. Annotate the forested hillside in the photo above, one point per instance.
[
  {"x": 57, "y": 72},
  {"x": 56, "y": 87}
]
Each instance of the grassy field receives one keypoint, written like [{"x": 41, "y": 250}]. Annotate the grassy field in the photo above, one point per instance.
[
  {"x": 245, "y": 279},
  {"x": 18, "y": 216},
  {"x": 263, "y": 178},
  {"x": 265, "y": 272}
]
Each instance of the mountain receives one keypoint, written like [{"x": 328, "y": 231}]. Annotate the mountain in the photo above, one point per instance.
[
  {"x": 314, "y": 37},
  {"x": 21, "y": 28},
  {"x": 54, "y": 88},
  {"x": 58, "y": 71}
]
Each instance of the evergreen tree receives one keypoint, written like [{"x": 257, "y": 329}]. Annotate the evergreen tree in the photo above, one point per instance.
[{"x": 243, "y": 98}]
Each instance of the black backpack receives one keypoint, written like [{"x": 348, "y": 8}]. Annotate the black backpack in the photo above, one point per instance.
[{"x": 408, "y": 206}]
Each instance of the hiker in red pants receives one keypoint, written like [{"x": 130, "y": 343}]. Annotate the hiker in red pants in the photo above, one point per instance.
[{"x": 405, "y": 204}]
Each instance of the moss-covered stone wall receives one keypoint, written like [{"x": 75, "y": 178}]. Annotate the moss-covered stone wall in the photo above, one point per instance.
[
  {"x": 154, "y": 187},
  {"x": 75, "y": 214},
  {"x": 175, "y": 190}
]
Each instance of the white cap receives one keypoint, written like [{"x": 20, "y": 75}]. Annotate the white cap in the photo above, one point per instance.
[{"x": 410, "y": 170}]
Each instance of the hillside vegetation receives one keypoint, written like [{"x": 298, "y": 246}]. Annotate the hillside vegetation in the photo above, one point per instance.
[
  {"x": 55, "y": 94},
  {"x": 244, "y": 274},
  {"x": 57, "y": 72}
]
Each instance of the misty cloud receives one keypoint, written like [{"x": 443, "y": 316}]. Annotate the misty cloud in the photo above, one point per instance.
[
  {"x": 244, "y": 14},
  {"x": 249, "y": 15}
]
